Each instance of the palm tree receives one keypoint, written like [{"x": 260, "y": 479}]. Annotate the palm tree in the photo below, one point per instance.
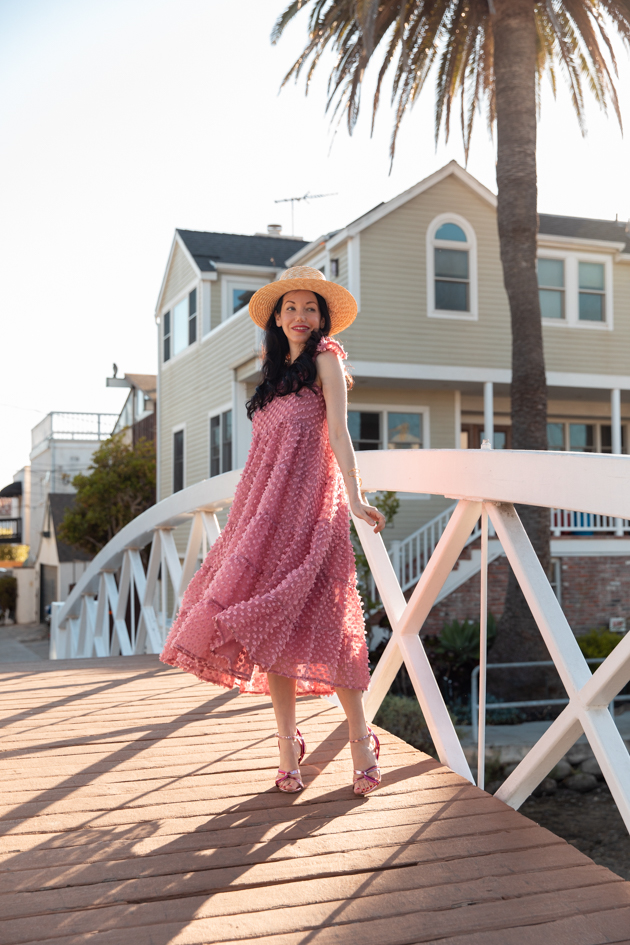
[{"x": 491, "y": 53}]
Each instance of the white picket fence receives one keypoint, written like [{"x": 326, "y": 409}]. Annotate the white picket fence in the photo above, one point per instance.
[{"x": 100, "y": 618}]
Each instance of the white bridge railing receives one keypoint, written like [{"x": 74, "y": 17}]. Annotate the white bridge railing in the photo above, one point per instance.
[{"x": 118, "y": 608}]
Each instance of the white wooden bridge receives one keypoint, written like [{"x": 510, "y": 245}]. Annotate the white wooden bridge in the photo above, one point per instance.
[{"x": 119, "y": 610}]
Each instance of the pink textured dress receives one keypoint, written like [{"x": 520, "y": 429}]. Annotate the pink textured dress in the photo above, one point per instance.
[{"x": 277, "y": 591}]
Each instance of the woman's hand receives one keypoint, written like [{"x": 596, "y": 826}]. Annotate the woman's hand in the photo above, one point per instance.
[{"x": 368, "y": 514}]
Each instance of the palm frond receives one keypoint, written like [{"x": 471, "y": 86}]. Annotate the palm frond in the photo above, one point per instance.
[{"x": 452, "y": 39}]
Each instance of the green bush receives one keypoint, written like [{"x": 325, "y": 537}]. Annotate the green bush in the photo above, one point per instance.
[
  {"x": 597, "y": 644},
  {"x": 462, "y": 639},
  {"x": 8, "y": 593},
  {"x": 402, "y": 716}
]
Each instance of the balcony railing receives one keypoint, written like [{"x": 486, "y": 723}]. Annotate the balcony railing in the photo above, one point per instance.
[
  {"x": 74, "y": 426},
  {"x": 10, "y": 531}
]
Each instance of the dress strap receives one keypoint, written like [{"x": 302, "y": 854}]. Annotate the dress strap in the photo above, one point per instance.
[{"x": 330, "y": 344}]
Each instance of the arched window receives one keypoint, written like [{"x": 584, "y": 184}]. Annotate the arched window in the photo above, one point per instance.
[{"x": 451, "y": 268}]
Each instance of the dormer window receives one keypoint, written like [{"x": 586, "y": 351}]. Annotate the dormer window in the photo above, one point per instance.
[{"x": 451, "y": 268}]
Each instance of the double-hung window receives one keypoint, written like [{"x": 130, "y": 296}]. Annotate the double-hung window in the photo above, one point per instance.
[
  {"x": 451, "y": 268},
  {"x": 575, "y": 289},
  {"x": 592, "y": 292},
  {"x": 452, "y": 276},
  {"x": 551, "y": 287},
  {"x": 221, "y": 443},
  {"x": 178, "y": 460},
  {"x": 180, "y": 326}
]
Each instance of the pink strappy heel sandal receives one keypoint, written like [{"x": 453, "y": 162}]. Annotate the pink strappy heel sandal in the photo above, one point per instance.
[
  {"x": 284, "y": 776},
  {"x": 373, "y": 774}
]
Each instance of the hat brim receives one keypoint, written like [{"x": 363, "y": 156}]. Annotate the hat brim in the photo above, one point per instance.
[{"x": 342, "y": 306}]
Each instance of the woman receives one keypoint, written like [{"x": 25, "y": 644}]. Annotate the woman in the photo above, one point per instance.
[{"x": 275, "y": 604}]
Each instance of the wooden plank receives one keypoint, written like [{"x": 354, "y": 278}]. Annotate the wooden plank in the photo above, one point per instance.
[{"x": 136, "y": 805}]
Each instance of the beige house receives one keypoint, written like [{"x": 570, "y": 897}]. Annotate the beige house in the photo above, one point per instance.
[{"x": 430, "y": 350}]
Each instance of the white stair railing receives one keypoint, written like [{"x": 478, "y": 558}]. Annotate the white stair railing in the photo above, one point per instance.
[
  {"x": 99, "y": 618},
  {"x": 411, "y": 555}
]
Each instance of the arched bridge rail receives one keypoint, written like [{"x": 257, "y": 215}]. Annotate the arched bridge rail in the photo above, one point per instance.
[{"x": 130, "y": 615}]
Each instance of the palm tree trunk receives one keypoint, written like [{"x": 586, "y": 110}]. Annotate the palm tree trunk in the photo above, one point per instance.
[{"x": 514, "y": 29}]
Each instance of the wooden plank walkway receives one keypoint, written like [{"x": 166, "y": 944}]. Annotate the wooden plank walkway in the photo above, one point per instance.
[{"x": 138, "y": 808}]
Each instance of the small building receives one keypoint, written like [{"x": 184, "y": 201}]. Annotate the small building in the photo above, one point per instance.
[
  {"x": 137, "y": 417},
  {"x": 58, "y": 566}
]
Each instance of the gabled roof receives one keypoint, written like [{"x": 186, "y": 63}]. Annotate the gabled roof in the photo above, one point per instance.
[
  {"x": 577, "y": 227},
  {"x": 145, "y": 382},
  {"x": 207, "y": 249},
  {"x": 59, "y": 502},
  {"x": 612, "y": 231}
]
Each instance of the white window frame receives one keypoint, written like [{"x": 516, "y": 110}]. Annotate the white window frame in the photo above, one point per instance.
[
  {"x": 170, "y": 308},
  {"x": 471, "y": 246},
  {"x": 176, "y": 429},
  {"x": 571, "y": 260},
  {"x": 384, "y": 409},
  {"x": 204, "y": 309},
  {"x": 597, "y": 438},
  {"x": 218, "y": 412},
  {"x": 228, "y": 283}
]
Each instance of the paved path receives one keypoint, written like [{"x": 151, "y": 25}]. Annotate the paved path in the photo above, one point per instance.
[
  {"x": 137, "y": 808},
  {"x": 23, "y": 642}
]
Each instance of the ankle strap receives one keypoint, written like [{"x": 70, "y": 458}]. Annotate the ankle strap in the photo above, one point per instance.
[
  {"x": 363, "y": 737},
  {"x": 278, "y": 735}
]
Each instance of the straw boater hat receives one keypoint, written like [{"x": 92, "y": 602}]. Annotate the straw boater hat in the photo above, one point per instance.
[{"x": 342, "y": 306}]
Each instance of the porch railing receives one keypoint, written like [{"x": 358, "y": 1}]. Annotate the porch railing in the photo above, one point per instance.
[{"x": 118, "y": 607}]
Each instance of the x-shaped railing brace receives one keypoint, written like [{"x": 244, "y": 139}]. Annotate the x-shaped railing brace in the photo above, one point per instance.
[{"x": 589, "y": 694}]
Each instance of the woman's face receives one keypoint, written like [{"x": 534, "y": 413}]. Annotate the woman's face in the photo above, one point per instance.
[{"x": 299, "y": 316}]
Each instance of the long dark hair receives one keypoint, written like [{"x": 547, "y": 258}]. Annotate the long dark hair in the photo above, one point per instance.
[{"x": 279, "y": 376}]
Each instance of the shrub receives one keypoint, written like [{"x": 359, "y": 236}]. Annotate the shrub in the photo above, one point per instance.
[
  {"x": 402, "y": 716},
  {"x": 597, "y": 644}
]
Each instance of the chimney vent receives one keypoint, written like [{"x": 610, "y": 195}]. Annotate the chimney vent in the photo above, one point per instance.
[{"x": 274, "y": 229}]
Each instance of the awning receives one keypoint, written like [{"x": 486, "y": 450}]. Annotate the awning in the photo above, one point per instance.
[{"x": 12, "y": 491}]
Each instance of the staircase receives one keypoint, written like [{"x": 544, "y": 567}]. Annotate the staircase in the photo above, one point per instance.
[{"x": 410, "y": 557}]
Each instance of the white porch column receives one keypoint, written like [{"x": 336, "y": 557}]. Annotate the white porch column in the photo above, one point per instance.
[
  {"x": 615, "y": 430},
  {"x": 241, "y": 426},
  {"x": 488, "y": 412}
]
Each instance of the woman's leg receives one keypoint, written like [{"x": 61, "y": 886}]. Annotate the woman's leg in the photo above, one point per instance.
[
  {"x": 282, "y": 692},
  {"x": 363, "y": 755}
]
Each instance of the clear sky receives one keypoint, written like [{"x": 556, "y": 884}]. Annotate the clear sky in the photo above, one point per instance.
[{"x": 123, "y": 119}]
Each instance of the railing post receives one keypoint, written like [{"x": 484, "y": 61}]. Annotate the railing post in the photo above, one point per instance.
[
  {"x": 56, "y": 650},
  {"x": 483, "y": 651},
  {"x": 474, "y": 704},
  {"x": 488, "y": 412},
  {"x": 615, "y": 440},
  {"x": 396, "y": 563}
]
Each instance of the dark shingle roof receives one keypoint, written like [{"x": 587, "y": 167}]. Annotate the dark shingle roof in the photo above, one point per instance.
[
  {"x": 581, "y": 227},
  {"x": 59, "y": 502},
  {"x": 210, "y": 248}
]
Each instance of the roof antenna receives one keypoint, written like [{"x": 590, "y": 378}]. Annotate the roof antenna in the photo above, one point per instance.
[{"x": 294, "y": 200}]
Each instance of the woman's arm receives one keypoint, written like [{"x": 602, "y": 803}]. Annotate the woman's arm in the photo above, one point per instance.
[{"x": 335, "y": 393}]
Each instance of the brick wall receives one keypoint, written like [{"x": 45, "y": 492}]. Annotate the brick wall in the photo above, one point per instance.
[{"x": 593, "y": 590}]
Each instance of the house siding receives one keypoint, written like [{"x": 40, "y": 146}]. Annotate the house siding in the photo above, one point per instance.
[
  {"x": 180, "y": 275},
  {"x": 196, "y": 382},
  {"x": 594, "y": 351}
]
